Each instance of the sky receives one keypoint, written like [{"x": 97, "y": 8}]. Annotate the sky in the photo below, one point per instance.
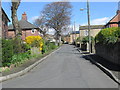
[{"x": 100, "y": 12}]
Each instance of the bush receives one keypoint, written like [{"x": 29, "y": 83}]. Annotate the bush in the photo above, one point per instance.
[
  {"x": 47, "y": 46},
  {"x": 13, "y": 52},
  {"x": 20, "y": 57},
  {"x": 86, "y": 39},
  {"x": 108, "y": 35},
  {"x": 34, "y": 41},
  {"x": 7, "y": 52}
]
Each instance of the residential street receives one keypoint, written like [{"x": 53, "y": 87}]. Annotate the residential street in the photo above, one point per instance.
[{"x": 63, "y": 69}]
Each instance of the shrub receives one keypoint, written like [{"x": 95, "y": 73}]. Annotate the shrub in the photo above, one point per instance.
[
  {"x": 7, "y": 52},
  {"x": 13, "y": 52},
  {"x": 20, "y": 57},
  {"x": 86, "y": 39},
  {"x": 78, "y": 39},
  {"x": 34, "y": 41},
  {"x": 108, "y": 35}
]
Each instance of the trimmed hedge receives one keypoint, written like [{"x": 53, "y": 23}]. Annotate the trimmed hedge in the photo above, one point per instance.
[{"x": 108, "y": 35}]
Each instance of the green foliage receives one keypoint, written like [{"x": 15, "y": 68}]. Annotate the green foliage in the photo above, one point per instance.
[
  {"x": 13, "y": 52},
  {"x": 7, "y": 52},
  {"x": 108, "y": 35},
  {"x": 47, "y": 46},
  {"x": 20, "y": 57},
  {"x": 86, "y": 39},
  {"x": 78, "y": 39}
]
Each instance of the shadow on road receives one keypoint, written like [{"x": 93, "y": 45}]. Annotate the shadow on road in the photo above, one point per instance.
[{"x": 103, "y": 62}]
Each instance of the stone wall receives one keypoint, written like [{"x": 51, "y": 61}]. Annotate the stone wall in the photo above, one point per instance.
[{"x": 110, "y": 52}]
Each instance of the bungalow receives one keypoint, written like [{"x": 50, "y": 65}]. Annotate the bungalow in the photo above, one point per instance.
[
  {"x": 5, "y": 21},
  {"x": 28, "y": 29}
]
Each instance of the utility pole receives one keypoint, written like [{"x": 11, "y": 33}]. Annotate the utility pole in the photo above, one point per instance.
[
  {"x": 75, "y": 32},
  {"x": 79, "y": 37},
  {"x": 72, "y": 35},
  {"x": 89, "y": 35}
]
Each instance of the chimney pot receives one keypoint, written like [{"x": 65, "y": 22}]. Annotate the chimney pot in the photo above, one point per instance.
[{"x": 24, "y": 16}]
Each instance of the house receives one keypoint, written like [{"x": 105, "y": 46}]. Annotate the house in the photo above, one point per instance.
[
  {"x": 94, "y": 30},
  {"x": 27, "y": 28},
  {"x": 84, "y": 32},
  {"x": 5, "y": 21},
  {"x": 115, "y": 21}
]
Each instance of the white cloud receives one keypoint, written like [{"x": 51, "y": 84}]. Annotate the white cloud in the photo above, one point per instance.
[
  {"x": 99, "y": 21},
  {"x": 34, "y": 18}
]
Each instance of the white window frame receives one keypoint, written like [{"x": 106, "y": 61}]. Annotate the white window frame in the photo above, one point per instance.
[{"x": 32, "y": 31}]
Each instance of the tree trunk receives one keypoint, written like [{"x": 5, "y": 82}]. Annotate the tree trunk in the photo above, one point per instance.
[
  {"x": 59, "y": 40},
  {"x": 15, "y": 22}
]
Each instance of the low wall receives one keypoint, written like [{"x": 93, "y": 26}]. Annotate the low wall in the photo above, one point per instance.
[{"x": 110, "y": 52}]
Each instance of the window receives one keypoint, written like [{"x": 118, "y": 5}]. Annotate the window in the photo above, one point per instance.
[
  {"x": 33, "y": 31},
  {"x": 86, "y": 33}
]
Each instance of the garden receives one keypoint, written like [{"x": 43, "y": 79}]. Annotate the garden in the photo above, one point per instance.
[{"x": 16, "y": 52}]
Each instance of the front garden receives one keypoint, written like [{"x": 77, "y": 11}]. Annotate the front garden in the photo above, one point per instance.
[{"x": 16, "y": 52}]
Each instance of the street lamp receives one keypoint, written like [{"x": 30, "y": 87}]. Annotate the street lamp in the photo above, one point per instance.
[{"x": 88, "y": 14}]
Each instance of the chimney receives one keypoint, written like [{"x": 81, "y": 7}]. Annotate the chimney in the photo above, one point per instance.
[
  {"x": 24, "y": 16},
  {"x": 118, "y": 11}
]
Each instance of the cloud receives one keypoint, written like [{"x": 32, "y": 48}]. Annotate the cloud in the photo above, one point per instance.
[
  {"x": 99, "y": 21},
  {"x": 34, "y": 18}
]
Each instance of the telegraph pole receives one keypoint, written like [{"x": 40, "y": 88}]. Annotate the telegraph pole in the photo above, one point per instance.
[
  {"x": 75, "y": 32},
  {"x": 89, "y": 35},
  {"x": 79, "y": 37}
]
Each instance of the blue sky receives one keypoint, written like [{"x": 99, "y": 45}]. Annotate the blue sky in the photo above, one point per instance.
[{"x": 100, "y": 12}]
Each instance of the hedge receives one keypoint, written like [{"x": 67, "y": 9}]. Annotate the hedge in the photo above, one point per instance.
[{"x": 108, "y": 35}]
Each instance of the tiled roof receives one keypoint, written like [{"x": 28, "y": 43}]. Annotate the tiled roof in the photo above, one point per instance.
[{"x": 24, "y": 25}]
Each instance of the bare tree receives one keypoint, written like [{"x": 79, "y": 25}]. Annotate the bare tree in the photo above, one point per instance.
[
  {"x": 14, "y": 7},
  {"x": 18, "y": 32},
  {"x": 41, "y": 23},
  {"x": 57, "y": 15}
]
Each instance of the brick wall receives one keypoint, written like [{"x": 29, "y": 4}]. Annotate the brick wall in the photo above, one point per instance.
[
  {"x": 25, "y": 33},
  {"x": 110, "y": 52}
]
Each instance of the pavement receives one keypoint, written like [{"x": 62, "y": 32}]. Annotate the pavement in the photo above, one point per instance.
[
  {"x": 111, "y": 69},
  {"x": 65, "y": 68}
]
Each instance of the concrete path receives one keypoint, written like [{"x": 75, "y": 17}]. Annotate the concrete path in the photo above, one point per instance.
[{"x": 64, "y": 69}]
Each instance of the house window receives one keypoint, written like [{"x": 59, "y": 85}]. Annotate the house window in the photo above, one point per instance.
[
  {"x": 86, "y": 33},
  {"x": 33, "y": 31}
]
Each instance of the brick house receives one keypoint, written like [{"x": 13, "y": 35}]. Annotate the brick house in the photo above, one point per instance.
[
  {"x": 28, "y": 29},
  {"x": 5, "y": 21},
  {"x": 115, "y": 21}
]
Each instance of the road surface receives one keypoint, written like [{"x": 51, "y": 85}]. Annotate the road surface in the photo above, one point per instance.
[{"x": 66, "y": 68}]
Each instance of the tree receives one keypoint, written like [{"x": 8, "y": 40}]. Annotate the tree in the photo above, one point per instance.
[
  {"x": 57, "y": 15},
  {"x": 18, "y": 32},
  {"x": 14, "y": 7},
  {"x": 41, "y": 23}
]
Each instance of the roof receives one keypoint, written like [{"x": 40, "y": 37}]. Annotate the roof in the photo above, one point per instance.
[
  {"x": 86, "y": 27},
  {"x": 92, "y": 27},
  {"x": 115, "y": 19},
  {"x": 24, "y": 25},
  {"x": 5, "y": 14}
]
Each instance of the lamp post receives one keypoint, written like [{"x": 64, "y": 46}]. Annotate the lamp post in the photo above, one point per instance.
[{"x": 88, "y": 14}]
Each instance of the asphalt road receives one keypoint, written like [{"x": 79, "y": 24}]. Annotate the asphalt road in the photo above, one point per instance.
[{"x": 63, "y": 69}]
